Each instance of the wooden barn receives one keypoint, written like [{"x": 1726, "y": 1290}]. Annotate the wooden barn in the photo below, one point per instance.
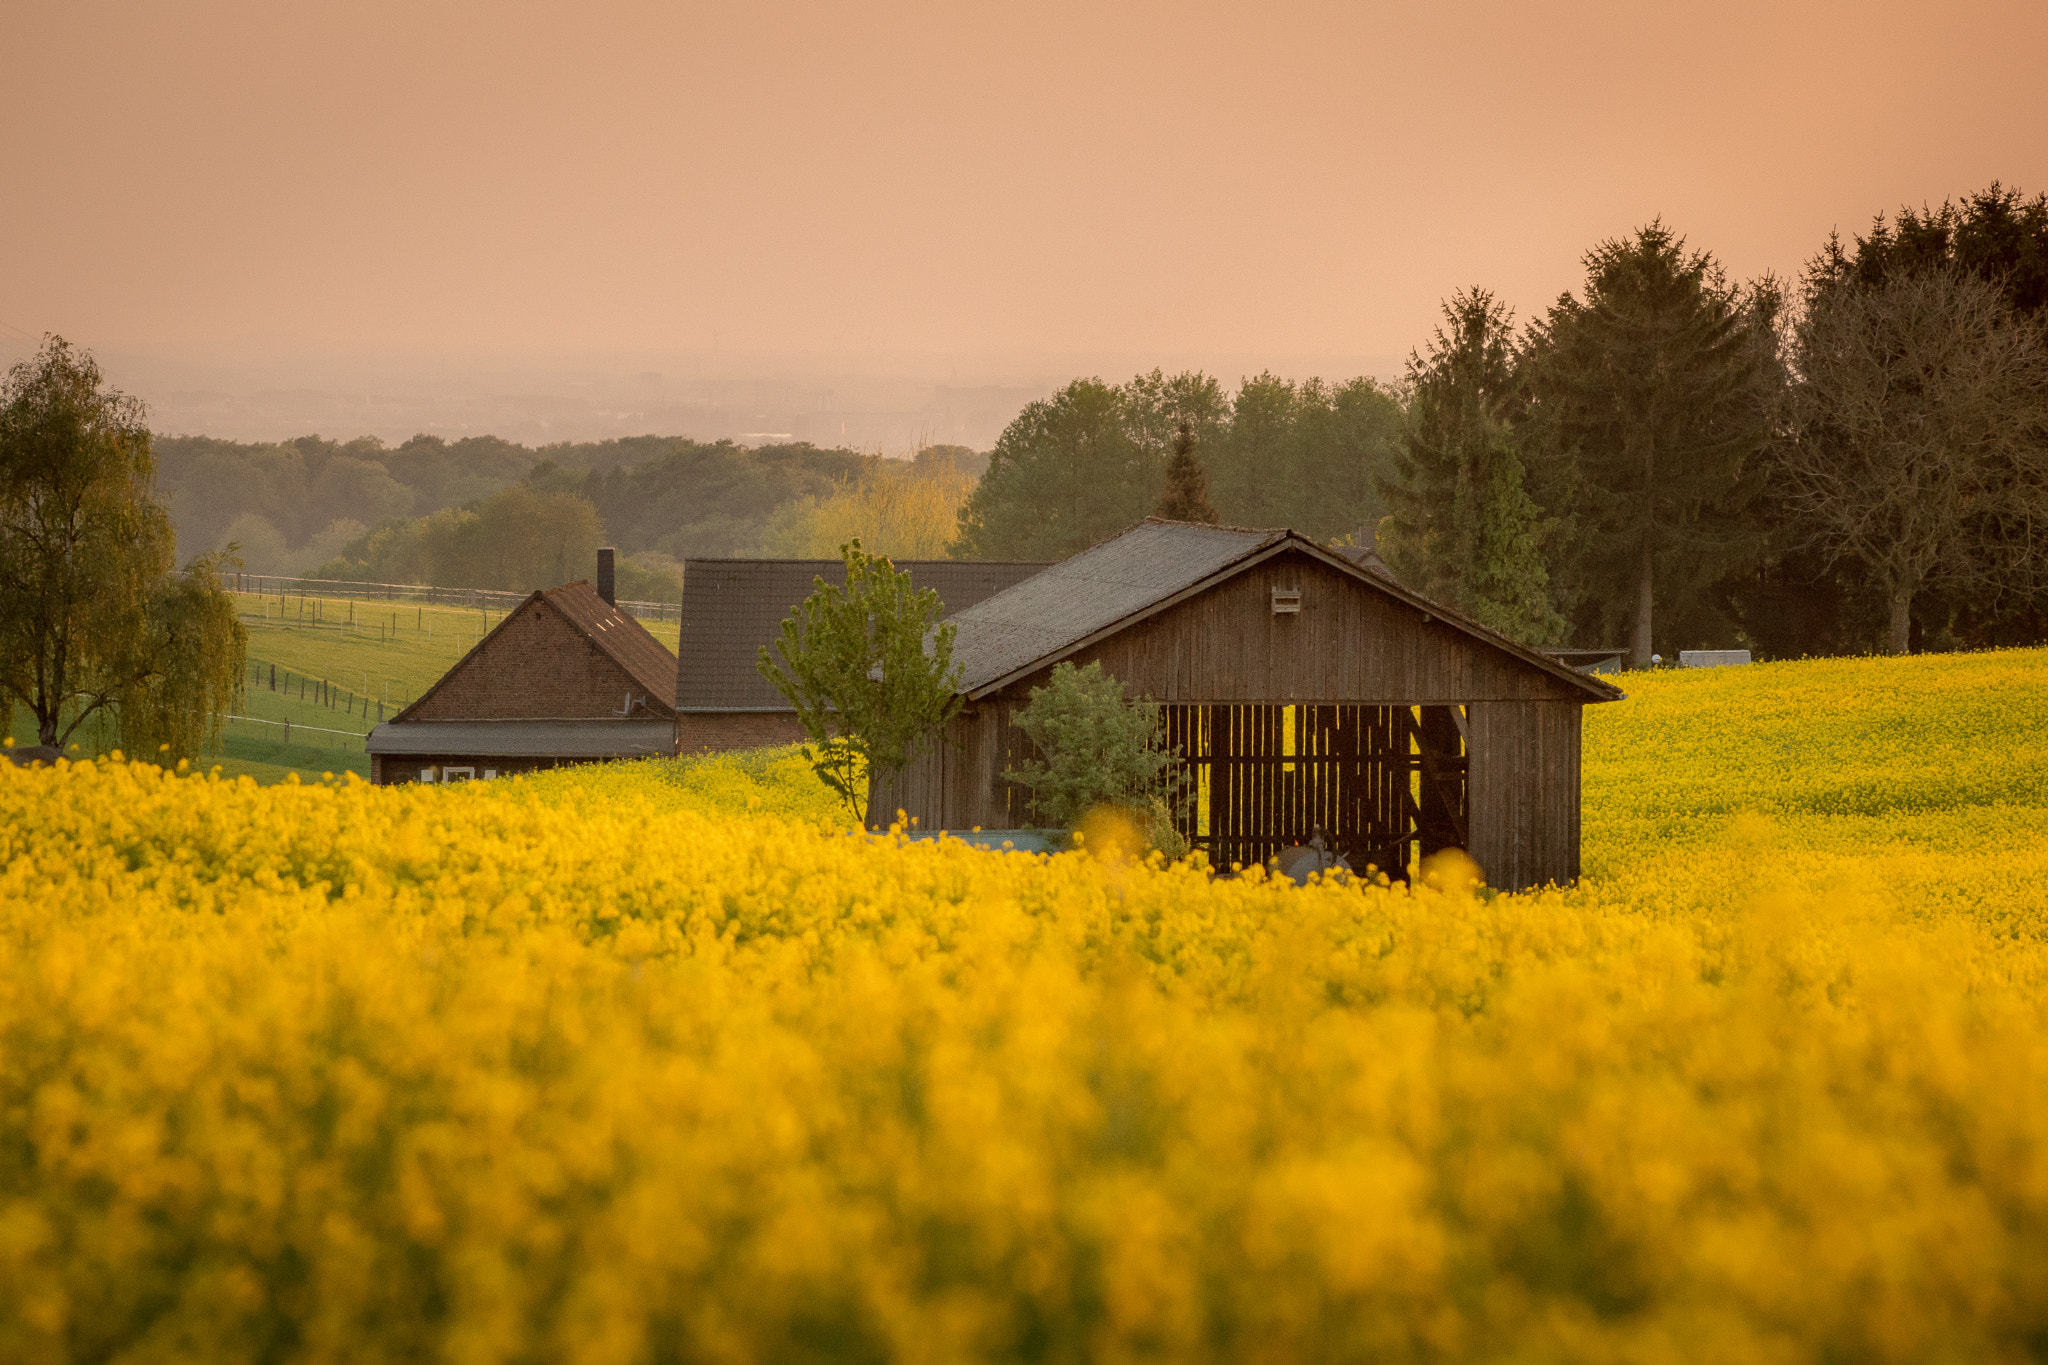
[
  {"x": 1308, "y": 692},
  {"x": 565, "y": 678},
  {"x": 732, "y": 607}
]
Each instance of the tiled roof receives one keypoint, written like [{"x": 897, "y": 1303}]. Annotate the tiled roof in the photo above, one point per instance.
[
  {"x": 619, "y": 635},
  {"x": 732, "y": 607},
  {"x": 524, "y": 738}
]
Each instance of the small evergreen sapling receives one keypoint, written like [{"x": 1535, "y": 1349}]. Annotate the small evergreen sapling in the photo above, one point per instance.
[
  {"x": 1100, "y": 751},
  {"x": 1187, "y": 484}
]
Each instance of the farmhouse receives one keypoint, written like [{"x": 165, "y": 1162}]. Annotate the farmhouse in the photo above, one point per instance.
[
  {"x": 1309, "y": 693},
  {"x": 565, "y": 678},
  {"x": 732, "y": 607}
]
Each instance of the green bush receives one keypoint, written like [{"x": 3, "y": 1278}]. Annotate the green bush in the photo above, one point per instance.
[{"x": 1100, "y": 749}]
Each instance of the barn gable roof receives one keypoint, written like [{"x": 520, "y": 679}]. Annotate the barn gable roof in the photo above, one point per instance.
[
  {"x": 619, "y": 636},
  {"x": 1143, "y": 571},
  {"x": 732, "y": 607}
]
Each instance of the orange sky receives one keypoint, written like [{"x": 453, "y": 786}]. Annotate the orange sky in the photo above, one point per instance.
[{"x": 959, "y": 183}]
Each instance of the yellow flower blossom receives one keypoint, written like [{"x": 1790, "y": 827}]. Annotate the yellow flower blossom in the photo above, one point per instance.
[{"x": 654, "y": 1062}]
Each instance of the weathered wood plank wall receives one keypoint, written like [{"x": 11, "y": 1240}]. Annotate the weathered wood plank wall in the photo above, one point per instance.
[
  {"x": 1349, "y": 644},
  {"x": 1524, "y": 793}
]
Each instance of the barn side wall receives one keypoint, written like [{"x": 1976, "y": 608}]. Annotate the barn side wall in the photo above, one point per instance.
[
  {"x": 1524, "y": 792},
  {"x": 536, "y": 666},
  {"x": 957, "y": 783}
]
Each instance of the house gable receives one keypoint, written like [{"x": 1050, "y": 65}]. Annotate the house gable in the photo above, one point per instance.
[{"x": 540, "y": 663}]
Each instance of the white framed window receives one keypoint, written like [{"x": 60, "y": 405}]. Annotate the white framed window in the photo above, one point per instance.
[
  {"x": 458, "y": 774},
  {"x": 426, "y": 774},
  {"x": 490, "y": 773}
]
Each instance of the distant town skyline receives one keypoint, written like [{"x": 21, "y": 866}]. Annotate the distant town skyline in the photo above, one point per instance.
[{"x": 246, "y": 201}]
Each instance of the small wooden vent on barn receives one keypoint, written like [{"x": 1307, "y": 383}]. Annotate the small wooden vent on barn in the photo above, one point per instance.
[{"x": 1307, "y": 693}]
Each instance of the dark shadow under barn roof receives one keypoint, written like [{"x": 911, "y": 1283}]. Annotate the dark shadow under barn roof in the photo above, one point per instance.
[
  {"x": 1147, "y": 568},
  {"x": 732, "y": 607}
]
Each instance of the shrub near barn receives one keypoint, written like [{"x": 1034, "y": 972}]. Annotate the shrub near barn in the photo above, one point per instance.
[{"x": 655, "y": 1062}]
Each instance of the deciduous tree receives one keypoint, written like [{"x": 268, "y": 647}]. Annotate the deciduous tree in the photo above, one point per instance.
[
  {"x": 1918, "y": 440},
  {"x": 1066, "y": 474},
  {"x": 869, "y": 669},
  {"x": 94, "y": 625}
]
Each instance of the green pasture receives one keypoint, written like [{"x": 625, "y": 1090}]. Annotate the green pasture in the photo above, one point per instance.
[{"x": 332, "y": 668}]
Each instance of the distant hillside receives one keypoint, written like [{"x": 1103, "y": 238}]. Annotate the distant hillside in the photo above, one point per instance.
[{"x": 294, "y": 505}]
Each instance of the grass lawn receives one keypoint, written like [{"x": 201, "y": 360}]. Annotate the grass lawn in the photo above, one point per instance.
[{"x": 333, "y": 669}]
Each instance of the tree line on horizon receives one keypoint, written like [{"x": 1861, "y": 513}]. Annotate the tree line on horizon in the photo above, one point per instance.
[
  {"x": 489, "y": 513},
  {"x": 1664, "y": 457}
]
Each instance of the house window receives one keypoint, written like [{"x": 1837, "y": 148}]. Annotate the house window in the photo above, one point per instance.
[
  {"x": 426, "y": 774},
  {"x": 490, "y": 773},
  {"x": 458, "y": 774}
]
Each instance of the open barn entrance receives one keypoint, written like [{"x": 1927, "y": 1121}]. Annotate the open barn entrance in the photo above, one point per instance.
[{"x": 1383, "y": 785}]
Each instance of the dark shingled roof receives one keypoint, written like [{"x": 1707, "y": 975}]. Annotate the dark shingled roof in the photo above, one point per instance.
[
  {"x": 732, "y": 607},
  {"x": 1123, "y": 580}
]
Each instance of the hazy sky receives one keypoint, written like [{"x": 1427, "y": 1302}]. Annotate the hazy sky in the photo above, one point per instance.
[{"x": 960, "y": 182}]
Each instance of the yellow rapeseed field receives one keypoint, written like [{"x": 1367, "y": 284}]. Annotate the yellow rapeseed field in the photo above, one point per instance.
[{"x": 647, "y": 1064}]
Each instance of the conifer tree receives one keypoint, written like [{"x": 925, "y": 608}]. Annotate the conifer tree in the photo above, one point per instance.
[
  {"x": 1187, "y": 484},
  {"x": 1463, "y": 529},
  {"x": 1651, "y": 401}
]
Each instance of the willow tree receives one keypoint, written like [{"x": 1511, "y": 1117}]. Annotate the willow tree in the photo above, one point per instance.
[{"x": 95, "y": 625}]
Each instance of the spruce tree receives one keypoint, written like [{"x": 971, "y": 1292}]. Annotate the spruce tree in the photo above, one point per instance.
[
  {"x": 1652, "y": 404},
  {"x": 1463, "y": 529},
  {"x": 1187, "y": 485}
]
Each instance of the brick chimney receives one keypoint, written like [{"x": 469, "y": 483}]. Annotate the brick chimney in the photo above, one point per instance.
[{"x": 607, "y": 578}]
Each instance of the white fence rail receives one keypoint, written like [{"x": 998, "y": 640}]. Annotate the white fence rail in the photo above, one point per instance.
[{"x": 491, "y": 599}]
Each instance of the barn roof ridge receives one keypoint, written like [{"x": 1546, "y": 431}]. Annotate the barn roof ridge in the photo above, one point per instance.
[{"x": 1151, "y": 566}]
